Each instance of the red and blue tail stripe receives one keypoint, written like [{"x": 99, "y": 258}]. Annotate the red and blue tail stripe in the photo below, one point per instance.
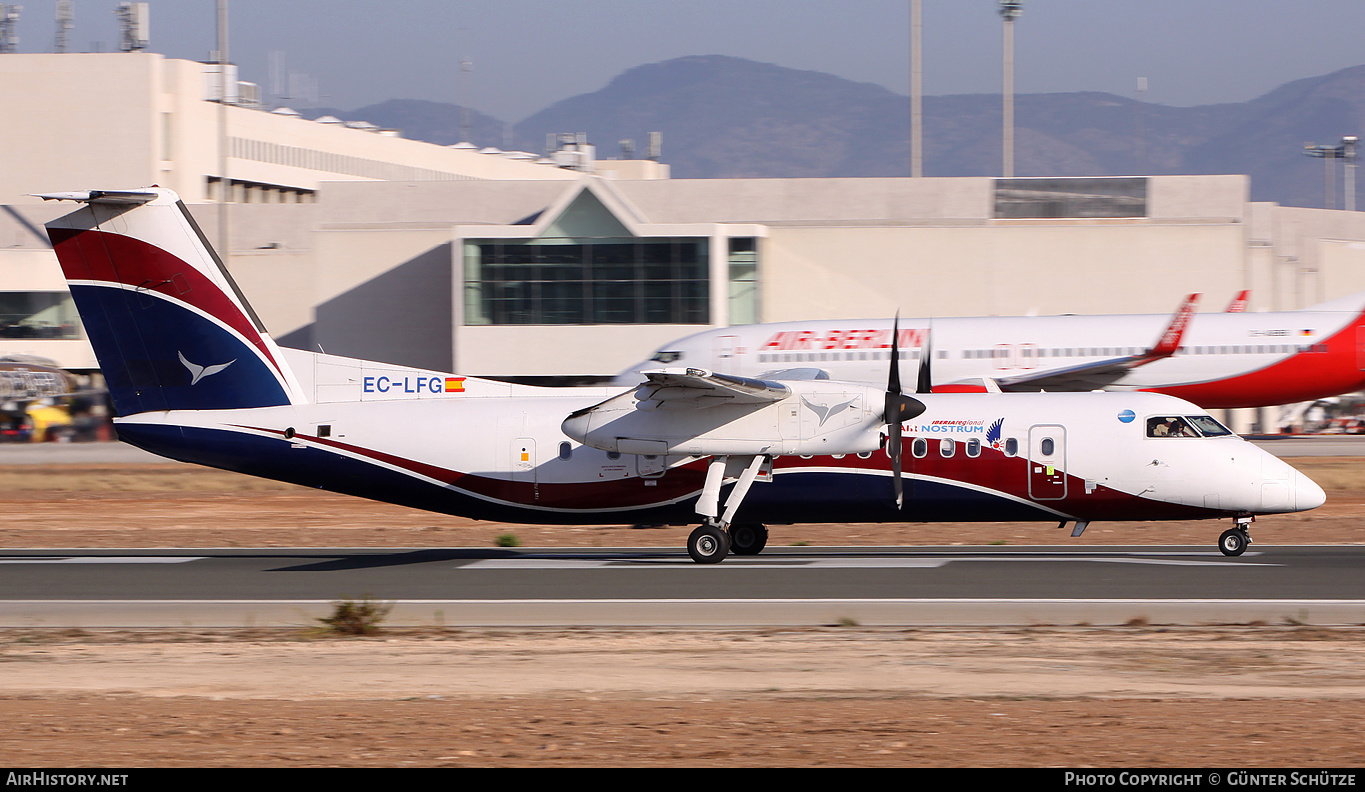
[{"x": 167, "y": 334}]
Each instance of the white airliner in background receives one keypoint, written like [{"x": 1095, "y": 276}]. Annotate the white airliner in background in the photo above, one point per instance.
[
  {"x": 194, "y": 376},
  {"x": 1216, "y": 360}
]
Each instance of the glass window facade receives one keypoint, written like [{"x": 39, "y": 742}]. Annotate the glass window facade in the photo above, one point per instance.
[
  {"x": 1071, "y": 197},
  {"x": 40, "y": 314},
  {"x": 743, "y": 281},
  {"x": 564, "y": 281}
]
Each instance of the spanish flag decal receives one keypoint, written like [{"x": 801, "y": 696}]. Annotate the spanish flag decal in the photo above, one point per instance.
[{"x": 455, "y": 384}]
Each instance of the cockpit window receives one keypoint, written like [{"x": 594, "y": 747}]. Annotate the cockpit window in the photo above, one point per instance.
[
  {"x": 1208, "y": 425},
  {"x": 666, "y": 356},
  {"x": 1170, "y": 426}
]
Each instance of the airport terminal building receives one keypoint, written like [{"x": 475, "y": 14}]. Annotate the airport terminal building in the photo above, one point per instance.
[{"x": 367, "y": 244}]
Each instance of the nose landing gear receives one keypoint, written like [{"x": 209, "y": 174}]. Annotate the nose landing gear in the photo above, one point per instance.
[{"x": 1234, "y": 541}]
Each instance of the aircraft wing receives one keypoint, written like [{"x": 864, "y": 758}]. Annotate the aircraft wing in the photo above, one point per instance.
[
  {"x": 701, "y": 388},
  {"x": 1102, "y": 373},
  {"x": 796, "y": 374}
]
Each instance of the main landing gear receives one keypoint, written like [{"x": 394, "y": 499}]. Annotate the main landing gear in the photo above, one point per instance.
[
  {"x": 1234, "y": 541},
  {"x": 748, "y": 539},
  {"x": 717, "y": 537},
  {"x": 709, "y": 543}
]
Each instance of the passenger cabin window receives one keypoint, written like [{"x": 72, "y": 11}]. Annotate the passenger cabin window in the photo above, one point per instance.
[
  {"x": 1011, "y": 447},
  {"x": 974, "y": 447},
  {"x": 666, "y": 357},
  {"x": 565, "y": 450},
  {"x": 946, "y": 448},
  {"x": 1047, "y": 446},
  {"x": 919, "y": 447},
  {"x": 1170, "y": 426}
]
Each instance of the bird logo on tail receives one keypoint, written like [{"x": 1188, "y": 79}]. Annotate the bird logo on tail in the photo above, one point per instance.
[{"x": 198, "y": 372}]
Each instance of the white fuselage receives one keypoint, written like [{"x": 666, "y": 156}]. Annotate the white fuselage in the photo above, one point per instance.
[
  {"x": 499, "y": 451},
  {"x": 1224, "y": 359}
]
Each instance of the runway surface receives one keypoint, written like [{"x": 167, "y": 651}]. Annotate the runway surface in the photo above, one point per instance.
[
  {"x": 642, "y": 587},
  {"x": 646, "y": 587}
]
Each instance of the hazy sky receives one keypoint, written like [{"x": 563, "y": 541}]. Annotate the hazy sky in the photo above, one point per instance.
[{"x": 527, "y": 54}]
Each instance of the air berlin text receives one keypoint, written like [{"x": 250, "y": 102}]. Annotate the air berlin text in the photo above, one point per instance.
[{"x": 841, "y": 339}]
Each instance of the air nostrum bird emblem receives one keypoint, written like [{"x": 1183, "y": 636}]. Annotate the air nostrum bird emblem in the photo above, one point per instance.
[
  {"x": 199, "y": 372},
  {"x": 825, "y": 411}
]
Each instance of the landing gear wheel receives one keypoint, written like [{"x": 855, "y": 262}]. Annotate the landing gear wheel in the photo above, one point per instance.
[
  {"x": 708, "y": 544},
  {"x": 748, "y": 538},
  {"x": 1233, "y": 542}
]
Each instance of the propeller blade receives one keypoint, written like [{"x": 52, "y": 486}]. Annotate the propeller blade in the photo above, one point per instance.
[
  {"x": 893, "y": 381},
  {"x": 894, "y": 447},
  {"x": 899, "y": 409},
  {"x": 924, "y": 383}
]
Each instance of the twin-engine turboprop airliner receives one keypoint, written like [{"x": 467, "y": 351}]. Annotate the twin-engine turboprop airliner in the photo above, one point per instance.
[
  {"x": 195, "y": 377},
  {"x": 1216, "y": 360}
]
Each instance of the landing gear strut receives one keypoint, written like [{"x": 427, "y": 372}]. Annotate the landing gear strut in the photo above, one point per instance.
[
  {"x": 716, "y": 537},
  {"x": 1234, "y": 541}
]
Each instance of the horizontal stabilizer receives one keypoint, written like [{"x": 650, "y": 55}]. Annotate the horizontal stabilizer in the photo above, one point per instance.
[{"x": 123, "y": 197}]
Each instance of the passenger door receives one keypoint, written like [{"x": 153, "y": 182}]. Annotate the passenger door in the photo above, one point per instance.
[{"x": 1047, "y": 462}]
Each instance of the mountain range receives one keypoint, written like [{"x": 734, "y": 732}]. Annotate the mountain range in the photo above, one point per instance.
[{"x": 726, "y": 117}]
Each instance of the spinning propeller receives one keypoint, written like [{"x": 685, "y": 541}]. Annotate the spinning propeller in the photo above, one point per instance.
[{"x": 901, "y": 408}]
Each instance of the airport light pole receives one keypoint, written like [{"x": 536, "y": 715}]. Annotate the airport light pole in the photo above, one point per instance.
[
  {"x": 1348, "y": 148},
  {"x": 916, "y": 94},
  {"x": 224, "y": 184},
  {"x": 1009, "y": 11},
  {"x": 1329, "y": 154}
]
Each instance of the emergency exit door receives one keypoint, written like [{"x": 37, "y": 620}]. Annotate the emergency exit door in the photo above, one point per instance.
[{"x": 723, "y": 352}]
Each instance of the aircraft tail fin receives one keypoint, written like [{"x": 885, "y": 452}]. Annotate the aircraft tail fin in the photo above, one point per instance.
[
  {"x": 168, "y": 325},
  {"x": 1170, "y": 338}
]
